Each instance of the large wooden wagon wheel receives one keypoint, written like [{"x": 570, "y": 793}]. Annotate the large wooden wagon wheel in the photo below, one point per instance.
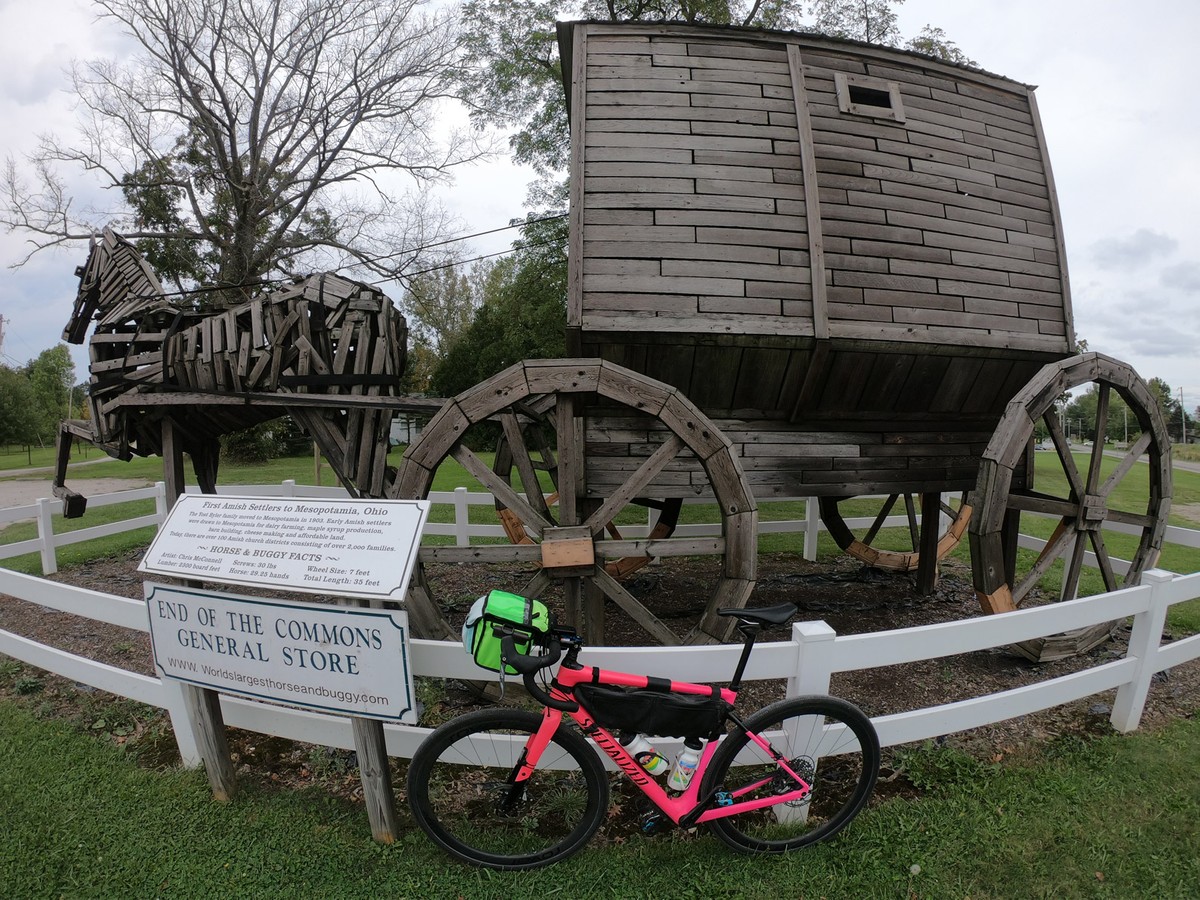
[
  {"x": 569, "y": 544},
  {"x": 1083, "y": 503},
  {"x": 908, "y": 560},
  {"x": 537, "y": 434}
]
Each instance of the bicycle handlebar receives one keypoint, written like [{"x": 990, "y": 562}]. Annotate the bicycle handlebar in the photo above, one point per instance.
[{"x": 528, "y": 666}]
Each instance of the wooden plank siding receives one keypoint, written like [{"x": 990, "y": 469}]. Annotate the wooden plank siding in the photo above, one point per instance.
[
  {"x": 750, "y": 225},
  {"x": 693, "y": 210}
]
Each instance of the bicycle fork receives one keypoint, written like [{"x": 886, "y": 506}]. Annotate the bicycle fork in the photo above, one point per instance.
[{"x": 531, "y": 754}]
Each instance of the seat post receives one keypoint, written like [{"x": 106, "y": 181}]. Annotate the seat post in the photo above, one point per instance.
[{"x": 749, "y": 632}]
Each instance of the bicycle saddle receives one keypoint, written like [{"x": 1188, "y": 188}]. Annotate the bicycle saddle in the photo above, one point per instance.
[{"x": 766, "y": 615}]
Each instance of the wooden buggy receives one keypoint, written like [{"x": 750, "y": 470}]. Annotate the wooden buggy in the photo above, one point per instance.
[{"x": 799, "y": 266}]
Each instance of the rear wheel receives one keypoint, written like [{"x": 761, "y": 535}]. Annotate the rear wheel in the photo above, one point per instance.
[
  {"x": 461, "y": 792},
  {"x": 830, "y": 743}
]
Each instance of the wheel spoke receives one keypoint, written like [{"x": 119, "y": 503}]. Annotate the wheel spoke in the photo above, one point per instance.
[
  {"x": 1034, "y": 501},
  {"x": 617, "y": 593},
  {"x": 880, "y": 519},
  {"x": 1055, "y": 547},
  {"x": 1071, "y": 577},
  {"x": 501, "y": 488},
  {"x": 914, "y": 530},
  {"x": 1064, "y": 454},
  {"x": 1131, "y": 456},
  {"x": 568, "y": 429},
  {"x": 1103, "y": 560},
  {"x": 521, "y": 459},
  {"x": 536, "y": 585},
  {"x": 624, "y": 495},
  {"x": 1093, "y": 477}
]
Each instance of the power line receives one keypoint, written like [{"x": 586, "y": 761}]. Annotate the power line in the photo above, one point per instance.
[{"x": 402, "y": 276}]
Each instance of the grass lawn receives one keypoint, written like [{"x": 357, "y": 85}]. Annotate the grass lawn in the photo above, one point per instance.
[{"x": 1111, "y": 817}]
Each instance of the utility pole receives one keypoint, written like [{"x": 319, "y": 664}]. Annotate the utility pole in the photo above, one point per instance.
[{"x": 1182, "y": 418}]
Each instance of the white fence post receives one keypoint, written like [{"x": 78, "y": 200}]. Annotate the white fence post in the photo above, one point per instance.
[
  {"x": 462, "y": 518},
  {"x": 182, "y": 723},
  {"x": 288, "y": 487},
  {"x": 45, "y": 525},
  {"x": 814, "y": 663},
  {"x": 160, "y": 501},
  {"x": 1144, "y": 641},
  {"x": 812, "y": 527}
]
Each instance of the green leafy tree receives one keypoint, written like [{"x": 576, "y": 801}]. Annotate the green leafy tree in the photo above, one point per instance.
[
  {"x": 523, "y": 314},
  {"x": 440, "y": 303},
  {"x": 934, "y": 42},
  {"x": 516, "y": 82},
  {"x": 51, "y": 376},
  {"x": 260, "y": 137},
  {"x": 1081, "y": 414},
  {"x": 873, "y": 21},
  {"x": 17, "y": 426}
]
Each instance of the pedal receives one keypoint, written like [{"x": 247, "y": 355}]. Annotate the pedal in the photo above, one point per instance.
[{"x": 653, "y": 822}]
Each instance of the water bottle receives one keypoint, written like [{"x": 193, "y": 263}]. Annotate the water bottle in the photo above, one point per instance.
[
  {"x": 685, "y": 765},
  {"x": 644, "y": 753}
]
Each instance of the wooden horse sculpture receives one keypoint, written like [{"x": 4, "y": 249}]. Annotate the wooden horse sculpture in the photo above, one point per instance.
[{"x": 157, "y": 365}]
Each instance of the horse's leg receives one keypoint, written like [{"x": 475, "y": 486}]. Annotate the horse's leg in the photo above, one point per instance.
[
  {"x": 74, "y": 505},
  {"x": 206, "y": 455}
]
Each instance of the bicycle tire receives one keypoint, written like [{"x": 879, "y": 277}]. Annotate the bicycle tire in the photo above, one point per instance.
[
  {"x": 459, "y": 791},
  {"x": 841, "y": 770}
]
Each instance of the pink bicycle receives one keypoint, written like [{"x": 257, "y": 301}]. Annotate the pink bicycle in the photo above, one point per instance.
[{"x": 514, "y": 789}]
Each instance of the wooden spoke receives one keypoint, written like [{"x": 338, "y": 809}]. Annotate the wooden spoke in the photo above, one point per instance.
[
  {"x": 884, "y": 511},
  {"x": 1131, "y": 456},
  {"x": 1063, "y": 448},
  {"x": 1055, "y": 547},
  {"x": 537, "y": 585},
  {"x": 909, "y": 560},
  {"x": 614, "y": 591},
  {"x": 571, "y": 555},
  {"x": 1004, "y": 491},
  {"x": 524, "y": 464},
  {"x": 1070, "y": 588},
  {"x": 914, "y": 530},
  {"x": 568, "y": 428},
  {"x": 634, "y": 484},
  {"x": 510, "y": 498},
  {"x": 1097, "y": 457},
  {"x": 1100, "y": 549}
]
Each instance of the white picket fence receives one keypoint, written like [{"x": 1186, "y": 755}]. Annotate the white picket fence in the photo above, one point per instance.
[
  {"x": 461, "y": 529},
  {"x": 807, "y": 660}
]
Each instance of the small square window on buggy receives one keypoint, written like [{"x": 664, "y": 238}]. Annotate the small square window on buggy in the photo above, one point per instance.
[{"x": 872, "y": 97}]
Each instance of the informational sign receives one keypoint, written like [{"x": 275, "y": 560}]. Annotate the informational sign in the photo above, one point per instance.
[
  {"x": 336, "y": 659},
  {"x": 358, "y": 548}
]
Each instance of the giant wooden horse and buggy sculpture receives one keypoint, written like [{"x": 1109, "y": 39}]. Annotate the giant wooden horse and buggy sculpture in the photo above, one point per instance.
[{"x": 799, "y": 266}]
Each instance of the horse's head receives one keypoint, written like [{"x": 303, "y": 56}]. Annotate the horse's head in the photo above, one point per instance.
[{"x": 114, "y": 273}]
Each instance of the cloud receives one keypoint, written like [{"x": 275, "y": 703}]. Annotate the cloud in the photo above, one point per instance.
[
  {"x": 1137, "y": 250},
  {"x": 1183, "y": 276}
]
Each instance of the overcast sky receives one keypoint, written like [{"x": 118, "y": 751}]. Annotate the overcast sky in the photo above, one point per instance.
[{"x": 1118, "y": 99}]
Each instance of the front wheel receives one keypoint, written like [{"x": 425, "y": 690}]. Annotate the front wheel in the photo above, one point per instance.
[
  {"x": 460, "y": 788},
  {"x": 830, "y": 743}
]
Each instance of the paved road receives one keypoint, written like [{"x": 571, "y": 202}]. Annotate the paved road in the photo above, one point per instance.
[
  {"x": 43, "y": 470},
  {"x": 1182, "y": 464},
  {"x": 20, "y": 487}
]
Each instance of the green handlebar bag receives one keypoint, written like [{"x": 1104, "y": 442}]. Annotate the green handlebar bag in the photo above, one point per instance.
[{"x": 529, "y": 619}]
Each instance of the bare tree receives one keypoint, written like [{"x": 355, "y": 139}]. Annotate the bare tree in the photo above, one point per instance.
[{"x": 253, "y": 137}]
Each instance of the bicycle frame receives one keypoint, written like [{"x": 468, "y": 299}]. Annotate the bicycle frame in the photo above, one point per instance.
[{"x": 687, "y": 806}]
